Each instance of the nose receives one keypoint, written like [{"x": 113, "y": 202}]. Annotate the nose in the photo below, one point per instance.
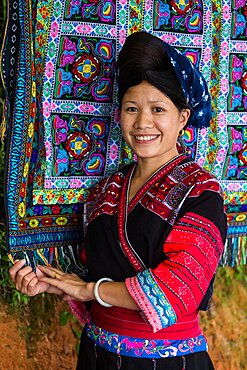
[{"x": 143, "y": 120}]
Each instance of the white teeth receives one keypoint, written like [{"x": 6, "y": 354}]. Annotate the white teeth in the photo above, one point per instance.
[{"x": 146, "y": 138}]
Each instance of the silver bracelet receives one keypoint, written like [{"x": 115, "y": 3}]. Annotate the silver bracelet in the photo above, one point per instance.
[{"x": 96, "y": 292}]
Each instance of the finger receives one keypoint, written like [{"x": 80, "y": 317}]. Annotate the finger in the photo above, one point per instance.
[
  {"x": 30, "y": 285},
  {"x": 76, "y": 277},
  {"x": 51, "y": 271},
  {"x": 39, "y": 273},
  {"x": 51, "y": 281},
  {"x": 67, "y": 297},
  {"x": 66, "y": 286},
  {"x": 15, "y": 268},
  {"x": 54, "y": 290},
  {"x": 55, "y": 273},
  {"x": 23, "y": 278},
  {"x": 57, "y": 286}
]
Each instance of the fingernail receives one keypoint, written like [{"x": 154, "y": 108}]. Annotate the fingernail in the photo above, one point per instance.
[{"x": 23, "y": 260}]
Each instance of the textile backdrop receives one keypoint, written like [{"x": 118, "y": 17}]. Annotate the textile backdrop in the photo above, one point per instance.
[{"x": 61, "y": 115}]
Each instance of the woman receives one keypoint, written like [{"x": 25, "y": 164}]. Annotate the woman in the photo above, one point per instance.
[{"x": 155, "y": 230}]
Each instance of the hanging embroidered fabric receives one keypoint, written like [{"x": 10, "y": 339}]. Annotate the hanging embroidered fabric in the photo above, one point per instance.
[{"x": 63, "y": 133}]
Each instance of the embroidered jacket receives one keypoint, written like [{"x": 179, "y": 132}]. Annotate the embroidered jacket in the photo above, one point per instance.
[{"x": 165, "y": 244}]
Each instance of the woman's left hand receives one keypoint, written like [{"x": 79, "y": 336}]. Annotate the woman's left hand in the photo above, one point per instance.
[{"x": 72, "y": 286}]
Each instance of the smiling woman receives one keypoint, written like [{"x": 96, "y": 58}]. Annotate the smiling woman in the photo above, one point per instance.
[
  {"x": 151, "y": 124},
  {"x": 155, "y": 229}
]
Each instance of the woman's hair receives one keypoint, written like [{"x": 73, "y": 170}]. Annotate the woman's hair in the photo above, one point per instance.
[{"x": 143, "y": 57}]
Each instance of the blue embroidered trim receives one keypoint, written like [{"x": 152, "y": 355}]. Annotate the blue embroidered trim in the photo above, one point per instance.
[
  {"x": 145, "y": 348},
  {"x": 157, "y": 298}
]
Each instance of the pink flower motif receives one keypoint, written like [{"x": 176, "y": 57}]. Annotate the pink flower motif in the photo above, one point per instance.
[
  {"x": 47, "y": 184},
  {"x": 122, "y": 36},
  {"x": 114, "y": 151},
  {"x": 224, "y": 48},
  {"x": 75, "y": 183},
  {"x": 201, "y": 162},
  {"x": 224, "y": 85},
  {"x": 203, "y": 131},
  {"x": 207, "y": 54},
  {"x": 239, "y": 4},
  {"x": 113, "y": 32},
  {"x": 222, "y": 120},
  {"x": 226, "y": 12},
  {"x": 241, "y": 46},
  {"x": 84, "y": 28},
  {"x": 53, "y": 106},
  {"x": 54, "y": 29},
  {"x": 233, "y": 186},
  {"x": 220, "y": 155},
  {"x": 197, "y": 41},
  {"x": 48, "y": 149},
  {"x": 46, "y": 109},
  {"x": 131, "y": 345},
  {"x": 148, "y": 4},
  {"x": 208, "y": 17},
  {"x": 86, "y": 108},
  {"x": 169, "y": 38},
  {"x": 49, "y": 69},
  {"x": 123, "y": 2}
]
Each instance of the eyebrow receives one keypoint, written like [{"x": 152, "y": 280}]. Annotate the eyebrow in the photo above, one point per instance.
[{"x": 150, "y": 101}]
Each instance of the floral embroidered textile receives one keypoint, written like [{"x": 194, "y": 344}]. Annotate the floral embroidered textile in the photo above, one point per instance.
[
  {"x": 145, "y": 348},
  {"x": 63, "y": 133}
]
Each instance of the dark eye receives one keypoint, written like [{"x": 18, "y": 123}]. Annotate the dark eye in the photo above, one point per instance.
[
  {"x": 131, "y": 109},
  {"x": 158, "y": 110}
]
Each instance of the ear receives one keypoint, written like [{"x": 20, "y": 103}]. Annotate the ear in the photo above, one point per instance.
[{"x": 184, "y": 116}]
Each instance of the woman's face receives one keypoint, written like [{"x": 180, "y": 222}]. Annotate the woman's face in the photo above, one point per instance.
[{"x": 151, "y": 123}]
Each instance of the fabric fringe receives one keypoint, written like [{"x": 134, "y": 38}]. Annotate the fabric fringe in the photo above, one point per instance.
[
  {"x": 67, "y": 258},
  {"x": 3, "y": 124},
  {"x": 63, "y": 258},
  {"x": 234, "y": 253},
  {"x": 3, "y": 129},
  {"x": 184, "y": 363}
]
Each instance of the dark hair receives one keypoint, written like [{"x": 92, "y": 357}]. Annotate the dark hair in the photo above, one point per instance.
[{"x": 143, "y": 57}]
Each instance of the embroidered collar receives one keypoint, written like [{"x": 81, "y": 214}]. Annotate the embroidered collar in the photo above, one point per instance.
[{"x": 124, "y": 208}]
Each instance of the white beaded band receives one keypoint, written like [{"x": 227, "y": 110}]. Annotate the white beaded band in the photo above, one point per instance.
[{"x": 96, "y": 292}]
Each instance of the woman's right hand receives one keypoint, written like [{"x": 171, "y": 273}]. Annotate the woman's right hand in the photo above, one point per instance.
[{"x": 27, "y": 281}]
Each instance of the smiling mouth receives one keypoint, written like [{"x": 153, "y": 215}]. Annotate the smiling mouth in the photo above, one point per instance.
[{"x": 146, "y": 137}]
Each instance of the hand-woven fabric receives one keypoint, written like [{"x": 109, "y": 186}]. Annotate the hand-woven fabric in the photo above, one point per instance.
[{"x": 63, "y": 132}]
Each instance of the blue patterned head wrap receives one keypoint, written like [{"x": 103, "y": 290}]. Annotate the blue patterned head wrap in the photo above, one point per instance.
[
  {"x": 146, "y": 57},
  {"x": 194, "y": 87}
]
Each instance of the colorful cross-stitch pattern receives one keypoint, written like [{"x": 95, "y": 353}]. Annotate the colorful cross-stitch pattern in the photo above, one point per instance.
[{"x": 63, "y": 132}]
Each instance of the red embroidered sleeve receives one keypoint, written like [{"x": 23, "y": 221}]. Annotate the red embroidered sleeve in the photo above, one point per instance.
[
  {"x": 177, "y": 285},
  {"x": 193, "y": 248}
]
